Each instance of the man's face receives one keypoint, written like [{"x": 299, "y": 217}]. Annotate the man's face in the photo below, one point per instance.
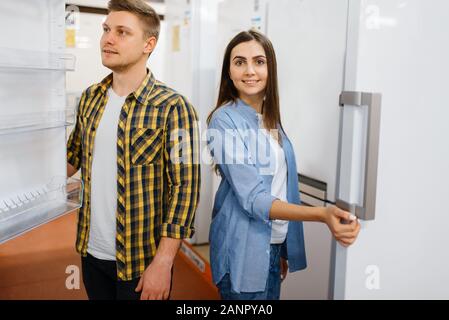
[{"x": 123, "y": 43}]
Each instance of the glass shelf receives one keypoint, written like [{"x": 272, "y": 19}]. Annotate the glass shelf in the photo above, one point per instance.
[
  {"x": 32, "y": 209},
  {"x": 35, "y": 60},
  {"x": 36, "y": 121}
]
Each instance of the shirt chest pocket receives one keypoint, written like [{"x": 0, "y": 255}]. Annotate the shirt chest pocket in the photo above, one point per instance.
[{"x": 146, "y": 146}]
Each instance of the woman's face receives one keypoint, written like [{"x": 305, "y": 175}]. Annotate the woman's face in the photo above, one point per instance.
[{"x": 248, "y": 70}]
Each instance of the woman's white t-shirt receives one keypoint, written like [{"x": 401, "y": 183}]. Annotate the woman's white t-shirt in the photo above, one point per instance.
[{"x": 279, "y": 228}]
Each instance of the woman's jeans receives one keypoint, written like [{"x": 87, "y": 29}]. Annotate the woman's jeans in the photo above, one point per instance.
[{"x": 272, "y": 288}]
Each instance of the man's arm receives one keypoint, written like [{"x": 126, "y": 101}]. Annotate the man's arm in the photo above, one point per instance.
[
  {"x": 74, "y": 147},
  {"x": 156, "y": 280},
  {"x": 166, "y": 251},
  {"x": 181, "y": 154}
]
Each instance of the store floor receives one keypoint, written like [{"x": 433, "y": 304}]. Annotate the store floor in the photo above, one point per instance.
[{"x": 43, "y": 263}]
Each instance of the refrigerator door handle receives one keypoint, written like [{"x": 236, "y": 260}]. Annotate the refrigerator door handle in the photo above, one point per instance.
[
  {"x": 373, "y": 101},
  {"x": 350, "y": 207}
]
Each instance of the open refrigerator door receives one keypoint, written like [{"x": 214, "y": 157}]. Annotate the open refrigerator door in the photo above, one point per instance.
[{"x": 34, "y": 188}]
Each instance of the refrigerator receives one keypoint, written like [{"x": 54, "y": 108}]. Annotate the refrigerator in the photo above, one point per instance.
[
  {"x": 190, "y": 68},
  {"x": 395, "y": 48},
  {"x": 363, "y": 99},
  {"x": 34, "y": 188}
]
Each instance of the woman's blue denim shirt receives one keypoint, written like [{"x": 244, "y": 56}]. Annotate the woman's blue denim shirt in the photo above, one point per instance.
[{"x": 240, "y": 232}]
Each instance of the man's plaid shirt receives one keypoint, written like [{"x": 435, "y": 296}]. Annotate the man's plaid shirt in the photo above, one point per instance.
[{"x": 158, "y": 170}]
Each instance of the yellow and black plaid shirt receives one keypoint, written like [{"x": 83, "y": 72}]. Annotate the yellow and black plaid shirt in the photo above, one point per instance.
[{"x": 158, "y": 170}]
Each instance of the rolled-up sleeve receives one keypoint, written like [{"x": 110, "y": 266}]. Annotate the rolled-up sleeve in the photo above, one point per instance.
[
  {"x": 181, "y": 153},
  {"x": 233, "y": 158}
]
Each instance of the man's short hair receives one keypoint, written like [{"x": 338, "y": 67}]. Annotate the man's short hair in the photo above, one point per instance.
[{"x": 144, "y": 11}]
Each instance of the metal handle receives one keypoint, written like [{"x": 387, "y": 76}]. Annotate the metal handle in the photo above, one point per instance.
[
  {"x": 373, "y": 101},
  {"x": 350, "y": 207}
]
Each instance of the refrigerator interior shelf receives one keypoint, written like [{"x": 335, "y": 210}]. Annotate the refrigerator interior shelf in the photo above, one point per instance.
[
  {"x": 29, "y": 210},
  {"x": 10, "y": 124},
  {"x": 35, "y": 60}
]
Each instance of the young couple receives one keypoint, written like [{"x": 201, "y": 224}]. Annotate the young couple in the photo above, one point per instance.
[{"x": 140, "y": 203}]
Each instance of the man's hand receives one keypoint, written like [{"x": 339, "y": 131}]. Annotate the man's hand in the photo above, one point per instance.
[
  {"x": 70, "y": 170},
  {"x": 155, "y": 281}
]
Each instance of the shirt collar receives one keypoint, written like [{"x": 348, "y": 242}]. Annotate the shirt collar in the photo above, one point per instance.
[
  {"x": 251, "y": 112},
  {"x": 248, "y": 109},
  {"x": 142, "y": 93}
]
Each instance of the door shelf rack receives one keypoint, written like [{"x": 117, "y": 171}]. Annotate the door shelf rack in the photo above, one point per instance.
[{"x": 29, "y": 210}]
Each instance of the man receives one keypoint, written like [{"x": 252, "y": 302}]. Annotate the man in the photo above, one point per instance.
[{"x": 137, "y": 144}]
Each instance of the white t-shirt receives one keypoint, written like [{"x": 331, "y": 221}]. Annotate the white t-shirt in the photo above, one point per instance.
[
  {"x": 279, "y": 228},
  {"x": 103, "y": 201}
]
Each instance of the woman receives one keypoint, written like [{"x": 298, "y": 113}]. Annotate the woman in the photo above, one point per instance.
[{"x": 256, "y": 221}]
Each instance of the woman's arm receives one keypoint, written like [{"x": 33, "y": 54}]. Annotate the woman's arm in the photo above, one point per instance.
[
  {"x": 228, "y": 150},
  {"x": 251, "y": 193},
  {"x": 345, "y": 233}
]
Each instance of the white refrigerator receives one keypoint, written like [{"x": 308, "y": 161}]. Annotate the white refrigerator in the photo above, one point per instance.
[
  {"x": 333, "y": 56},
  {"x": 34, "y": 188}
]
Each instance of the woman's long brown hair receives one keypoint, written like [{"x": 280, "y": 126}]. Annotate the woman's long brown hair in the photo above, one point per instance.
[{"x": 228, "y": 92}]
